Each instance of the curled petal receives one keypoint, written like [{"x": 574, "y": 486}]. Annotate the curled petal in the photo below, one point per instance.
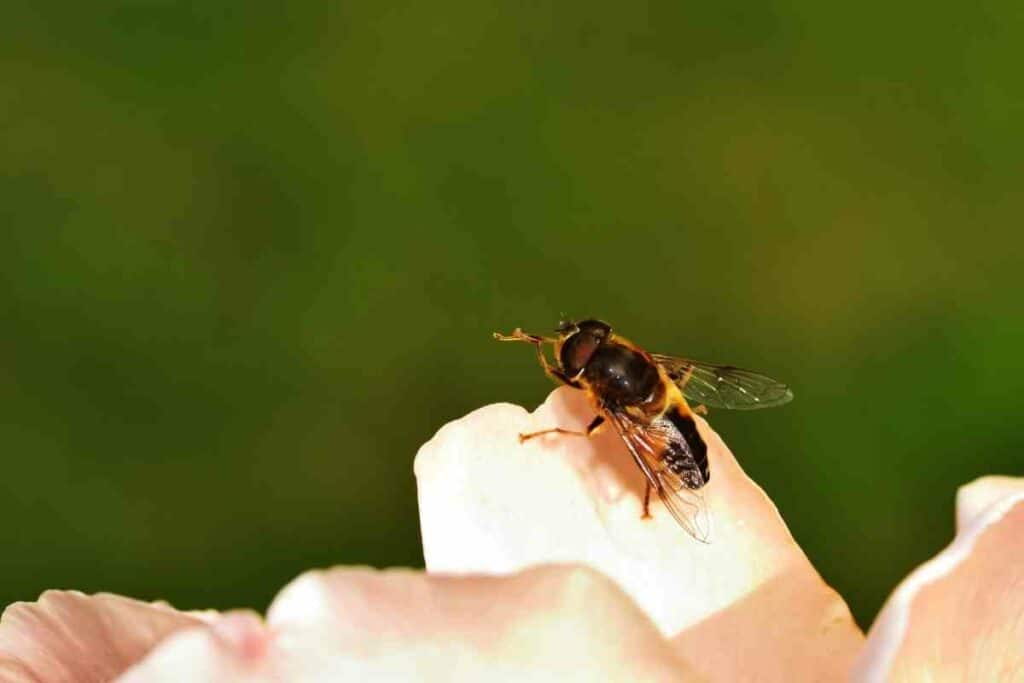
[
  {"x": 987, "y": 493},
  {"x": 236, "y": 647},
  {"x": 551, "y": 623},
  {"x": 69, "y": 636},
  {"x": 958, "y": 616},
  {"x": 490, "y": 504}
]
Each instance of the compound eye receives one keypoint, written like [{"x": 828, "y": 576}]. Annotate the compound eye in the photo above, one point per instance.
[{"x": 576, "y": 352}]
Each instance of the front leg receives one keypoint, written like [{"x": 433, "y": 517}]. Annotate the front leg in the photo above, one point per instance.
[{"x": 538, "y": 343}]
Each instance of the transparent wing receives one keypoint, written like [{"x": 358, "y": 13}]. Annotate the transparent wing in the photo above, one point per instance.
[
  {"x": 681, "y": 494},
  {"x": 723, "y": 386}
]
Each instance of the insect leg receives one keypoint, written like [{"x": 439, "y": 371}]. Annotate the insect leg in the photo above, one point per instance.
[
  {"x": 700, "y": 409},
  {"x": 651, "y": 481},
  {"x": 591, "y": 428},
  {"x": 519, "y": 335},
  {"x": 686, "y": 378},
  {"x": 553, "y": 430},
  {"x": 538, "y": 343}
]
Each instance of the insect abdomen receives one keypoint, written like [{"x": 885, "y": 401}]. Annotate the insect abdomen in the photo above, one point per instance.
[{"x": 682, "y": 457}]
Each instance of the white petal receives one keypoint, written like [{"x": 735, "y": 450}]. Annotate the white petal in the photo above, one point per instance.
[
  {"x": 490, "y": 504},
  {"x": 958, "y": 616}
]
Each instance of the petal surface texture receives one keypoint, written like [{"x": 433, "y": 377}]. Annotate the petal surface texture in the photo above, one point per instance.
[
  {"x": 69, "y": 636},
  {"x": 746, "y": 606},
  {"x": 960, "y": 616}
]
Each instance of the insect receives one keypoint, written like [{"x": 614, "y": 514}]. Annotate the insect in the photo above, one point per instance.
[{"x": 644, "y": 397}]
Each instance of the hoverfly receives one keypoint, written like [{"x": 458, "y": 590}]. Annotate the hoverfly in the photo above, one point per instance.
[{"x": 644, "y": 397}]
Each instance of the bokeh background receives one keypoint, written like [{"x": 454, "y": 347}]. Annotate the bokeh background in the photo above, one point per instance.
[{"x": 251, "y": 256}]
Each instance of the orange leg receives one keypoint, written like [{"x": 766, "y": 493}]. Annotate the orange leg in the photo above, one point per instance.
[
  {"x": 519, "y": 335},
  {"x": 553, "y": 430},
  {"x": 686, "y": 378},
  {"x": 647, "y": 501},
  {"x": 538, "y": 343},
  {"x": 591, "y": 428},
  {"x": 699, "y": 409}
]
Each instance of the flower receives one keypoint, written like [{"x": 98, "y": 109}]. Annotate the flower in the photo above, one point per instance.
[{"x": 540, "y": 566}]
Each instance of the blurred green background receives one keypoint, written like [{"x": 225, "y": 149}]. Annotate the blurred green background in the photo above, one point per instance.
[{"x": 251, "y": 257}]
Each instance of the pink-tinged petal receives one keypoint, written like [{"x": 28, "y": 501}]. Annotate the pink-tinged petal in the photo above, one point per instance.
[
  {"x": 69, "y": 636},
  {"x": 960, "y": 616},
  {"x": 547, "y": 623},
  {"x": 237, "y": 647},
  {"x": 747, "y": 605},
  {"x": 550, "y": 623}
]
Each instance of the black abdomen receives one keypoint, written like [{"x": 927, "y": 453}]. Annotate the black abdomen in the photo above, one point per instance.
[{"x": 688, "y": 455}]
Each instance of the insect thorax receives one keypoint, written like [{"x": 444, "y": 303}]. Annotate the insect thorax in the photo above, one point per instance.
[{"x": 621, "y": 376}]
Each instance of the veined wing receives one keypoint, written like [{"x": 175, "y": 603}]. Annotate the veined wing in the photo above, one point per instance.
[
  {"x": 723, "y": 386},
  {"x": 680, "y": 492}
]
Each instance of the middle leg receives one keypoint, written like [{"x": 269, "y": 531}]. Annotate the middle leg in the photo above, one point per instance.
[{"x": 591, "y": 428}]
